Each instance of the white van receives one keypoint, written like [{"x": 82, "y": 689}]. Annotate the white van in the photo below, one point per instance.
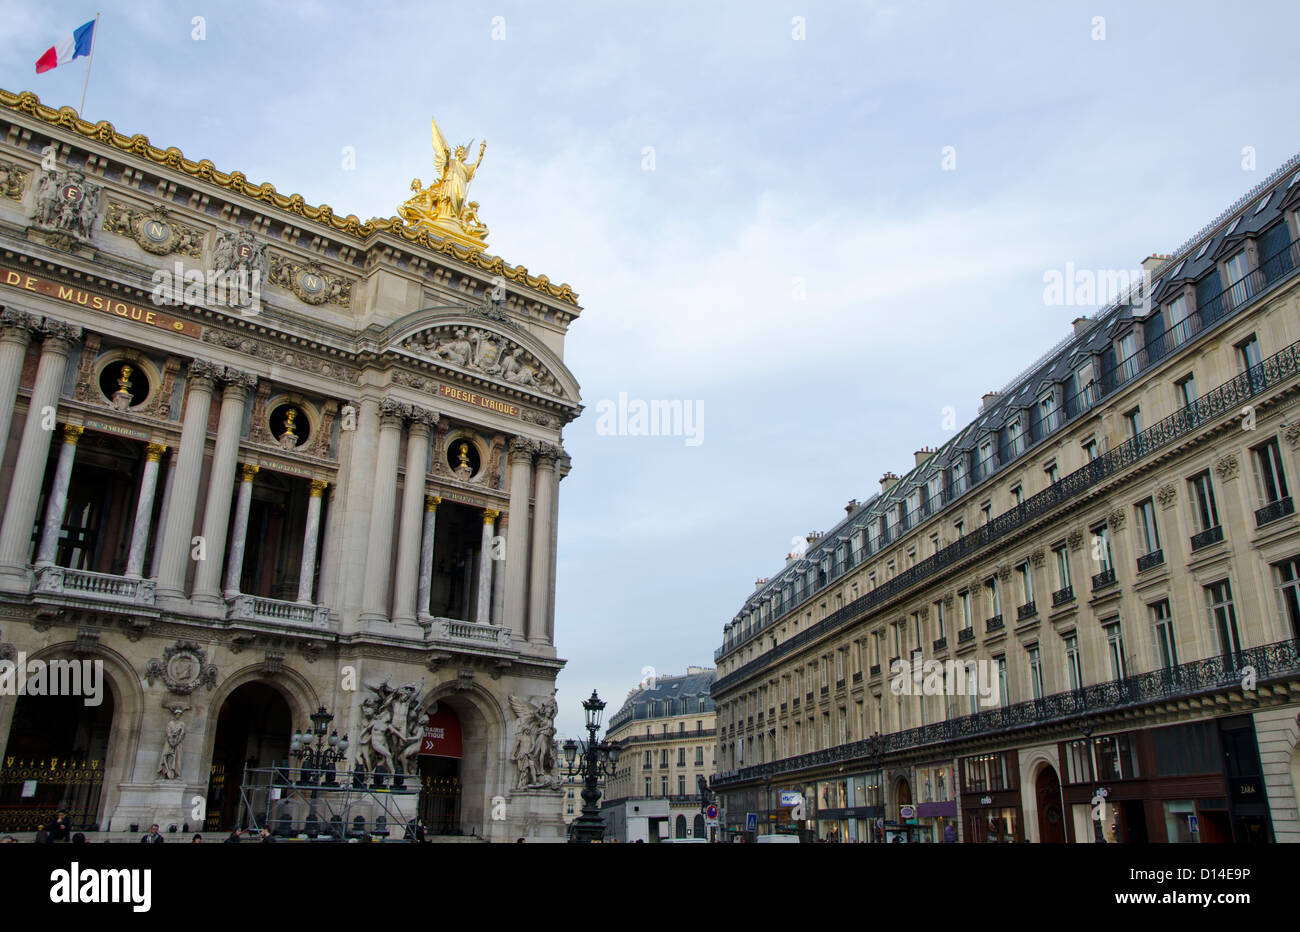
[{"x": 782, "y": 839}]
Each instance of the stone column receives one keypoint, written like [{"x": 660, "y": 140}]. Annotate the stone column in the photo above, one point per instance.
[
  {"x": 29, "y": 468},
  {"x": 156, "y": 558},
  {"x": 499, "y": 571},
  {"x": 539, "y": 570},
  {"x": 15, "y": 333},
  {"x": 175, "y": 543},
  {"x": 483, "y": 609},
  {"x": 374, "y": 600},
  {"x": 221, "y": 479},
  {"x": 521, "y": 481},
  {"x": 307, "y": 572},
  {"x": 239, "y": 533},
  {"x": 144, "y": 510},
  {"x": 57, "y": 503},
  {"x": 431, "y": 503},
  {"x": 409, "y": 545},
  {"x": 562, "y": 467}
]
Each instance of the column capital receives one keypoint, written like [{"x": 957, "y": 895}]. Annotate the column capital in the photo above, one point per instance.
[
  {"x": 522, "y": 449},
  {"x": 72, "y": 433},
  {"x": 59, "y": 336},
  {"x": 238, "y": 379},
  {"x": 154, "y": 451},
  {"x": 547, "y": 454},
  {"x": 318, "y": 487},
  {"x": 490, "y": 515},
  {"x": 423, "y": 418},
  {"x": 247, "y": 471},
  {"x": 393, "y": 412},
  {"x": 18, "y": 324},
  {"x": 200, "y": 370},
  {"x": 431, "y": 502}
]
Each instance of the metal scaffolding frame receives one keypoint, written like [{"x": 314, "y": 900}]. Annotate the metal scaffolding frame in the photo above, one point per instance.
[{"x": 329, "y": 805}]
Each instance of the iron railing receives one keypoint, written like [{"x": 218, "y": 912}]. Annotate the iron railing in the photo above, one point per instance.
[
  {"x": 1207, "y": 537},
  {"x": 1274, "y": 510},
  {"x": 1219, "y": 673},
  {"x": 1149, "y": 560},
  {"x": 1061, "y": 596}
]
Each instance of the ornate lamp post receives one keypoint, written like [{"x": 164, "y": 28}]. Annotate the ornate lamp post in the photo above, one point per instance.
[
  {"x": 598, "y": 759},
  {"x": 314, "y": 752}
]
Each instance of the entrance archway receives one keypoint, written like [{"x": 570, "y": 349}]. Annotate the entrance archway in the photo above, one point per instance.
[
  {"x": 440, "y": 755},
  {"x": 55, "y": 758},
  {"x": 679, "y": 830},
  {"x": 1047, "y": 792},
  {"x": 698, "y": 827},
  {"x": 253, "y": 729}
]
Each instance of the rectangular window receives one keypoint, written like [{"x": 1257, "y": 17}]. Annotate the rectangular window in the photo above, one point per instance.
[
  {"x": 986, "y": 511},
  {"x": 1166, "y": 643},
  {"x": 1206, "y": 511},
  {"x": 1026, "y": 583},
  {"x": 995, "y": 596},
  {"x": 1179, "y": 325},
  {"x": 1047, "y": 411},
  {"x": 1004, "y": 695},
  {"x": 1101, "y": 547},
  {"x": 1053, "y": 474},
  {"x": 1186, "y": 390},
  {"x": 1018, "y": 495},
  {"x": 1133, "y": 420},
  {"x": 1236, "y": 268},
  {"x": 1072, "y": 662},
  {"x": 1223, "y": 616},
  {"x": 1148, "y": 533},
  {"x": 1035, "y": 672},
  {"x": 1115, "y": 649},
  {"x": 1062, "y": 566},
  {"x": 647, "y": 786},
  {"x": 1126, "y": 354},
  {"x": 663, "y": 786},
  {"x": 1288, "y": 579},
  {"x": 1090, "y": 451},
  {"x": 1272, "y": 477},
  {"x": 940, "y": 622},
  {"x": 1248, "y": 356},
  {"x": 699, "y": 757},
  {"x": 681, "y": 757},
  {"x": 964, "y": 598}
]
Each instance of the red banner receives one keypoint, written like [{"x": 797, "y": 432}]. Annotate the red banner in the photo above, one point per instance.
[{"x": 441, "y": 734}]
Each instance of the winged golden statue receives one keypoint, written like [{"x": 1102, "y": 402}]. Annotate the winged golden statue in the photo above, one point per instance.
[{"x": 442, "y": 206}]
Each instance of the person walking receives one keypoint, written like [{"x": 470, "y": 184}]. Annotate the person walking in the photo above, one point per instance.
[
  {"x": 62, "y": 828},
  {"x": 154, "y": 837}
]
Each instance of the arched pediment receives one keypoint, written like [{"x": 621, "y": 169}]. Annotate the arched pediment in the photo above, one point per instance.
[{"x": 491, "y": 349}]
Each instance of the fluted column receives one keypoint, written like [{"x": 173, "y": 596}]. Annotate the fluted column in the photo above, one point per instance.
[
  {"x": 539, "y": 570},
  {"x": 221, "y": 480},
  {"x": 29, "y": 468},
  {"x": 144, "y": 510},
  {"x": 431, "y": 503},
  {"x": 15, "y": 333},
  {"x": 57, "y": 503},
  {"x": 499, "y": 571},
  {"x": 562, "y": 468},
  {"x": 239, "y": 532},
  {"x": 175, "y": 543},
  {"x": 483, "y": 608},
  {"x": 521, "y": 482},
  {"x": 307, "y": 571},
  {"x": 156, "y": 559},
  {"x": 374, "y": 601},
  {"x": 409, "y": 545}
]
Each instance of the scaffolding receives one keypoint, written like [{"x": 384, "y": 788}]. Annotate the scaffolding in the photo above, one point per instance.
[{"x": 330, "y": 805}]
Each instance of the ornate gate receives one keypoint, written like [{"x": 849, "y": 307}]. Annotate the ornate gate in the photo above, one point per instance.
[
  {"x": 32, "y": 791},
  {"x": 440, "y": 805}
]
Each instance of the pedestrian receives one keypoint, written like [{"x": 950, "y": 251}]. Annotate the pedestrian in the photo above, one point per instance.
[
  {"x": 267, "y": 837},
  {"x": 79, "y": 839},
  {"x": 61, "y": 830},
  {"x": 197, "y": 839},
  {"x": 42, "y": 835},
  {"x": 521, "y": 840},
  {"x": 232, "y": 838},
  {"x": 154, "y": 837}
]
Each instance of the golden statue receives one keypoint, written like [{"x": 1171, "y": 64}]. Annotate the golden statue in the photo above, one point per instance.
[
  {"x": 442, "y": 207},
  {"x": 124, "y": 380}
]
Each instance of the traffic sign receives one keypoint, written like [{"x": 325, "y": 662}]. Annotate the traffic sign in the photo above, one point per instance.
[
  {"x": 751, "y": 821},
  {"x": 711, "y": 812}
]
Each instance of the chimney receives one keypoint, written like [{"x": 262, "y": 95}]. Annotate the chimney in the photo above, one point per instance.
[
  {"x": 923, "y": 454},
  {"x": 1153, "y": 262},
  {"x": 986, "y": 399},
  {"x": 760, "y": 583},
  {"x": 1082, "y": 325},
  {"x": 849, "y": 508},
  {"x": 814, "y": 536},
  {"x": 887, "y": 482}
]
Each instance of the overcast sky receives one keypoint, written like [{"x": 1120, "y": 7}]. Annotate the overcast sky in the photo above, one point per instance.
[{"x": 759, "y": 224}]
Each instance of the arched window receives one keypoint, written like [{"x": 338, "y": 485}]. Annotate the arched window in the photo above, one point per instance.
[{"x": 681, "y": 826}]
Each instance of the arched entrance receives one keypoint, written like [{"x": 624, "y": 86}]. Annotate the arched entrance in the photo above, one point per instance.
[
  {"x": 1047, "y": 791},
  {"x": 55, "y": 758},
  {"x": 253, "y": 730},
  {"x": 440, "y": 756},
  {"x": 699, "y": 829},
  {"x": 679, "y": 829}
]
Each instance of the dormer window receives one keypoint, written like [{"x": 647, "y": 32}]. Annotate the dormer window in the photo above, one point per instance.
[
  {"x": 1179, "y": 325},
  {"x": 1047, "y": 411}
]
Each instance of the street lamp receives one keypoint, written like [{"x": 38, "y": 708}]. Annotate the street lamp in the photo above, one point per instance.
[
  {"x": 315, "y": 752},
  {"x": 590, "y": 760},
  {"x": 1099, "y": 794}
]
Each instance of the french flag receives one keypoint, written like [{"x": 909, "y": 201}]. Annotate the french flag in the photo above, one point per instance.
[{"x": 67, "y": 48}]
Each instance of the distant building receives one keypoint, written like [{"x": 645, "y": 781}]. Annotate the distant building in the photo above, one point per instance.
[{"x": 667, "y": 733}]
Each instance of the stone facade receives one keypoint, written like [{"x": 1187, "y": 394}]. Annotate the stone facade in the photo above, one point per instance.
[
  {"x": 1111, "y": 548},
  {"x": 300, "y": 486}
]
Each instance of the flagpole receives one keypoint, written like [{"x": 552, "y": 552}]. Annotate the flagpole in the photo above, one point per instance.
[{"x": 90, "y": 60}]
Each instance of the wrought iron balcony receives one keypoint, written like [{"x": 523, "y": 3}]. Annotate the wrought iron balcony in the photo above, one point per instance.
[
  {"x": 1274, "y": 511},
  {"x": 857, "y": 677},
  {"x": 1220, "y": 673},
  {"x": 1224, "y": 400},
  {"x": 277, "y": 612},
  {"x": 808, "y": 697},
  {"x": 826, "y": 690},
  {"x": 1149, "y": 560},
  {"x": 1028, "y": 610},
  {"x": 875, "y": 669},
  {"x": 993, "y": 624},
  {"x": 939, "y": 644},
  {"x": 1207, "y": 537},
  {"x": 59, "y": 583},
  {"x": 1103, "y": 579},
  {"x": 965, "y": 634},
  {"x": 839, "y": 684},
  {"x": 1061, "y": 596},
  {"x": 794, "y": 703}
]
